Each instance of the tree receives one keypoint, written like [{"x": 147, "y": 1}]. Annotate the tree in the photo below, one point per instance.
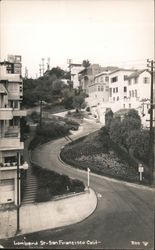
[
  {"x": 108, "y": 118},
  {"x": 79, "y": 102},
  {"x": 86, "y": 63},
  {"x": 104, "y": 138},
  {"x": 115, "y": 131}
]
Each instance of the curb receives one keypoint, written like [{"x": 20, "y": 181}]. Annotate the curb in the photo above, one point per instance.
[{"x": 107, "y": 178}]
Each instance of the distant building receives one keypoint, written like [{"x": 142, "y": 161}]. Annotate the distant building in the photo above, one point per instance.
[
  {"x": 118, "y": 84},
  {"x": 86, "y": 76},
  {"x": 99, "y": 90},
  {"x": 75, "y": 68},
  {"x": 10, "y": 113}
]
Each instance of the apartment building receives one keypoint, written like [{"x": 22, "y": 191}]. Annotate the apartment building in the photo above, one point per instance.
[
  {"x": 11, "y": 92},
  {"x": 99, "y": 90},
  {"x": 75, "y": 68},
  {"x": 86, "y": 76},
  {"x": 118, "y": 83}
]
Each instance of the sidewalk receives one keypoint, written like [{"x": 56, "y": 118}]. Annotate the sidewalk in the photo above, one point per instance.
[{"x": 48, "y": 215}]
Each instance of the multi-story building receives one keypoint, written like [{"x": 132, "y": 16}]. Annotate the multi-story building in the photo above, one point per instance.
[
  {"x": 118, "y": 83},
  {"x": 86, "y": 76},
  {"x": 99, "y": 90},
  {"x": 10, "y": 142},
  {"x": 75, "y": 68}
]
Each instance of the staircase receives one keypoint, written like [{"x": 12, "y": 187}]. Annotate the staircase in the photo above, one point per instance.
[{"x": 30, "y": 189}]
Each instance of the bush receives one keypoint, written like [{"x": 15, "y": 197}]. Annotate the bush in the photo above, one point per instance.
[
  {"x": 35, "y": 116},
  {"x": 51, "y": 184},
  {"x": 88, "y": 109}
]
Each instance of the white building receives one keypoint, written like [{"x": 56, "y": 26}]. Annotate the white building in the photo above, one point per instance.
[
  {"x": 118, "y": 83},
  {"x": 10, "y": 143},
  {"x": 127, "y": 89},
  {"x": 75, "y": 68}
]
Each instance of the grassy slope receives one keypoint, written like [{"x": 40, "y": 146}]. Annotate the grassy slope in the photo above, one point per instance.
[{"x": 88, "y": 152}]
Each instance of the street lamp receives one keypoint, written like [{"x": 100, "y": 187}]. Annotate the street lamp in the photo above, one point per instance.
[
  {"x": 25, "y": 167},
  {"x": 88, "y": 171}
]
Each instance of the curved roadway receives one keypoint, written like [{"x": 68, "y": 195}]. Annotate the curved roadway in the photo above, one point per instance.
[{"x": 124, "y": 217}]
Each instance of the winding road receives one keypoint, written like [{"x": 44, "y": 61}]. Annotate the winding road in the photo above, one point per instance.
[{"x": 124, "y": 217}]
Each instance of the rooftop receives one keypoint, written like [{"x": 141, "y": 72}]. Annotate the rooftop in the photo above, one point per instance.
[{"x": 136, "y": 73}]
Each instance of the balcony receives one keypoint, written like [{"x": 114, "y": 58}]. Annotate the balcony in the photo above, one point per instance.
[
  {"x": 10, "y": 166},
  {"x": 6, "y": 114},
  {"x": 20, "y": 113},
  {"x": 11, "y": 77},
  {"x": 14, "y": 95},
  {"x": 11, "y": 142}
]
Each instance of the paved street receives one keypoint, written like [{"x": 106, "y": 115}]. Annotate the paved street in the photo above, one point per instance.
[{"x": 123, "y": 218}]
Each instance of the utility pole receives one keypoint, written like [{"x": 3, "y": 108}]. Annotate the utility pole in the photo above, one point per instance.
[
  {"x": 40, "y": 69},
  {"x": 18, "y": 200},
  {"x": 48, "y": 63},
  {"x": 43, "y": 65},
  {"x": 41, "y": 109},
  {"x": 151, "y": 67}
]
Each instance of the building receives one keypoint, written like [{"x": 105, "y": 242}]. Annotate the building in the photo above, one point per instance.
[
  {"x": 127, "y": 89},
  {"x": 118, "y": 83},
  {"x": 10, "y": 113},
  {"x": 86, "y": 76},
  {"x": 75, "y": 68},
  {"x": 99, "y": 90}
]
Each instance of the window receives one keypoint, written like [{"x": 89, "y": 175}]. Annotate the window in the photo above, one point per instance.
[
  {"x": 99, "y": 88},
  {"x": 135, "y": 92},
  {"x": 114, "y": 79},
  {"x": 125, "y": 77},
  {"x": 107, "y": 78},
  {"x": 136, "y": 80},
  {"x": 110, "y": 92},
  {"x": 113, "y": 90},
  {"x": 129, "y": 105},
  {"x": 116, "y": 89},
  {"x": 113, "y": 98},
  {"x": 124, "y": 106},
  {"x": 101, "y": 79},
  {"x": 117, "y": 98},
  {"x": 132, "y": 93},
  {"x": 102, "y": 89},
  {"x": 125, "y": 89},
  {"x": 146, "y": 80},
  {"x": 107, "y": 88},
  {"x": 129, "y": 82}
]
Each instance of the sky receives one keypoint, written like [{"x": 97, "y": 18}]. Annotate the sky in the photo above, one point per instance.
[{"x": 108, "y": 32}]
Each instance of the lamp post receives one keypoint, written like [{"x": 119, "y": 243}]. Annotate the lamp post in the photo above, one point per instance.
[
  {"x": 25, "y": 167},
  {"x": 88, "y": 171}
]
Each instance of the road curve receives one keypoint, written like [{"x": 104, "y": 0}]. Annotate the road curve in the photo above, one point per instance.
[{"x": 124, "y": 218}]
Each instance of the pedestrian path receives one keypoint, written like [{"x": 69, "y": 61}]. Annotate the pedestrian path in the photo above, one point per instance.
[
  {"x": 31, "y": 180},
  {"x": 48, "y": 215},
  {"x": 31, "y": 188}
]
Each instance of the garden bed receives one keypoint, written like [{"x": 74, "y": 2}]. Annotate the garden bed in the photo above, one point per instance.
[
  {"x": 52, "y": 184},
  {"x": 88, "y": 152}
]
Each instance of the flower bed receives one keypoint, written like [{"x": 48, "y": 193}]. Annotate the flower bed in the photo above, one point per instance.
[{"x": 89, "y": 152}]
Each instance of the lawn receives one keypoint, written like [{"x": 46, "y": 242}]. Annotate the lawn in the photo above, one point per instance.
[{"x": 88, "y": 152}]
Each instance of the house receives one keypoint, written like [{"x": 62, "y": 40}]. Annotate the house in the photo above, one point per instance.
[
  {"x": 86, "y": 76},
  {"x": 99, "y": 89},
  {"x": 11, "y": 145},
  {"x": 74, "y": 69},
  {"x": 118, "y": 83}
]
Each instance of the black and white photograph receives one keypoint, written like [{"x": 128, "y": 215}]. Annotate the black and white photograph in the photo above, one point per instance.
[{"x": 77, "y": 124}]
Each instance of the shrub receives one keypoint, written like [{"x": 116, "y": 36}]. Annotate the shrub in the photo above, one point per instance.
[{"x": 88, "y": 109}]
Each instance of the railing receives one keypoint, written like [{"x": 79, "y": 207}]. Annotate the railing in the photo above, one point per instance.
[
  {"x": 10, "y": 143},
  {"x": 6, "y": 113}
]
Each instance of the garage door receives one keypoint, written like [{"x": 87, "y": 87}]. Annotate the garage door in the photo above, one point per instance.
[{"x": 6, "y": 191}]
